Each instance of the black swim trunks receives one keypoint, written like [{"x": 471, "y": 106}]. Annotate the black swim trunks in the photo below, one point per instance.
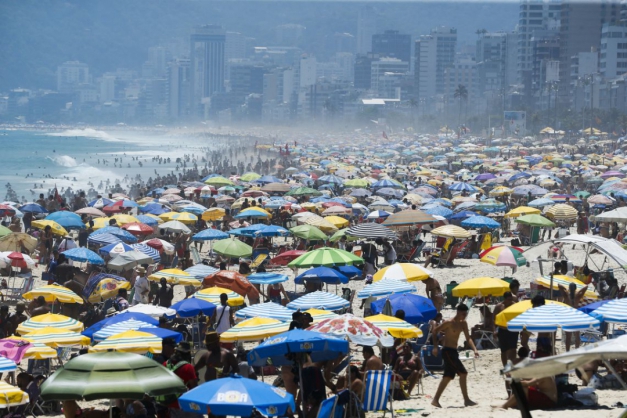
[
  {"x": 508, "y": 340},
  {"x": 452, "y": 364}
]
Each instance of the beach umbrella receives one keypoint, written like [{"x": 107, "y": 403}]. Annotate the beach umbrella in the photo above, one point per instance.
[
  {"x": 451, "y": 231},
  {"x": 107, "y": 288},
  {"x": 358, "y": 183},
  {"x": 319, "y": 300},
  {"x": 55, "y": 228},
  {"x": 480, "y": 222},
  {"x": 7, "y": 365},
  {"x": 151, "y": 310},
  {"x": 52, "y": 293},
  {"x": 599, "y": 199},
  {"x": 16, "y": 240},
  {"x": 130, "y": 341},
  {"x": 116, "y": 232},
  {"x": 129, "y": 260},
  {"x": 534, "y": 220},
  {"x": 237, "y": 396},
  {"x": 503, "y": 256},
  {"x": 192, "y": 307},
  {"x": 231, "y": 280},
  {"x": 91, "y": 212},
  {"x": 99, "y": 203},
  {"x": 114, "y": 249},
  {"x": 548, "y": 318},
  {"x": 357, "y": 330},
  {"x": 541, "y": 202},
  {"x": 24, "y": 349},
  {"x": 562, "y": 212},
  {"x": 183, "y": 217},
  {"x": 320, "y": 223},
  {"x": 522, "y": 210},
  {"x": 265, "y": 310},
  {"x": 385, "y": 287},
  {"x": 325, "y": 257},
  {"x": 320, "y": 314},
  {"x": 250, "y": 176},
  {"x": 16, "y": 259},
  {"x": 517, "y": 309},
  {"x": 308, "y": 232},
  {"x": 49, "y": 320},
  {"x": 200, "y": 271},
  {"x": 175, "y": 276},
  {"x": 481, "y": 286},
  {"x": 267, "y": 278},
  {"x": 150, "y": 220},
  {"x": 213, "y": 214},
  {"x": 219, "y": 181},
  {"x": 286, "y": 257},
  {"x": 209, "y": 235},
  {"x": 253, "y": 212},
  {"x": 4, "y": 231},
  {"x": 120, "y": 317},
  {"x": 138, "y": 228},
  {"x": 404, "y": 272},
  {"x": 110, "y": 375},
  {"x": 418, "y": 309},
  {"x": 589, "y": 308},
  {"x": 501, "y": 191},
  {"x": 32, "y": 208},
  {"x": 124, "y": 219},
  {"x": 303, "y": 191},
  {"x": 409, "y": 217},
  {"x": 371, "y": 231},
  {"x": 254, "y": 329},
  {"x": 11, "y": 396},
  {"x": 149, "y": 251},
  {"x": 233, "y": 248},
  {"x": 322, "y": 274},
  {"x": 56, "y": 337},
  {"x": 212, "y": 294},
  {"x": 565, "y": 281},
  {"x": 175, "y": 226},
  {"x": 614, "y": 312},
  {"x": 395, "y": 326},
  {"x": 67, "y": 220},
  {"x": 337, "y": 221},
  {"x": 119, "y": 327},
  {"x": 262, "y": 230},
  {"x": 378, "y": 214}
]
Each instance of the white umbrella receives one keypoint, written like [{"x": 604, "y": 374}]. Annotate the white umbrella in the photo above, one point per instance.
[
  {"x": 151, "y": 310},
  {"x": 175, "y": 226}
]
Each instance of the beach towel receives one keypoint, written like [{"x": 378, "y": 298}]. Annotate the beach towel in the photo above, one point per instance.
[{"x": 14, "y": 349}]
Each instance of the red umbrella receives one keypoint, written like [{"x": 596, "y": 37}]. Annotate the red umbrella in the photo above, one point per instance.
[
  {"x": 155, "y": 243},
  {"x": 17, "y": 260},
  {"x": 6, "y": 210},
  {"x": 284, "y": 258},
  {"x": 111, "y": 209},
  {"x": 231, "y": 280},
  {"x": 138, "y": 228}
]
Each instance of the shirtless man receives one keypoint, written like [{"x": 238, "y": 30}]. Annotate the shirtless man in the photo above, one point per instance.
[
  {"x": 434, "y": 292},
  {"x": 371, "y": 362},
  {"x": 572, "y": 297},
  {"x": 508, "y": 340},
  {"x": 541, "y": 394},
  {"x": 452, "y": 328},
  {"x": 216, "y": 358}
]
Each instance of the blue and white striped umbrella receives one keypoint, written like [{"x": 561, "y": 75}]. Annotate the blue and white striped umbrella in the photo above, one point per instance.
[
  {"x": 110, "y": 330},
  {"x": 548, "y": 318},
  {"x": 7, "y": 365},
  {"x": 200, "y": 271},
  {"x": 103, "y": 239},
  {"x": 147, "y": 220},
  {"x": 614, "y": 311},
  {"x": 461, "y": 186},
  {"x": 267, "y": 278},
  {"x": 385, "y": 287},
  {"x": 319, "y": 300},
  {"x": 265, "y": 310},
  {"x": 149, "y": 251}
]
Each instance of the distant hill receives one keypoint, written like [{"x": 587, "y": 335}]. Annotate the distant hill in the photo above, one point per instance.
[{"x": 38, "y": 35}]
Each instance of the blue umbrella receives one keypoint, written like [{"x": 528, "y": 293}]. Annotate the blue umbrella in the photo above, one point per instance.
[
  {"x": 100, "y": 203},
  {"x": 209, "y": 235},
  {"x": 262, "y": 230},
  {"x": 118, "y": 248},
  {"x": 541, "y": 202},
  {"x": 461, "y": 187},
  {"x": 103, "y": 239},
  {"x": 268, "y": 179},
  {"x": 592, "y": 306},
  {"x": 386, "y": 183},
  {"x": 7, "y": 365},
  {"x": 323, "y": 274},
  {"x": 193, "y": 307},
  {"x": 462, "y": 215},
  {"x": 196, "y": 210},
  {"x": 153, "y": 209},
  {"x": 385, "y": 287},
  {"x": 83, "y": 255},
  {"x": 237, "y": 396},
  {"x": 113, "y": 329},
  {"x": 548, "y": 318},
  {"x": 267, "y": 278},
  {"x": 126, "y": 316},
  {"x": 147, "y": 220},
  {"x": 319, "y": 346},
  {"x": 480, "y": 222},
  {"x": 439, "y": 211},
  {"x": 319, "y": 300},
  {"x": 115, "y": 231},
  {"x": 68, "y": 220},
  {"x": 33, "y": 208},
  {"x": 164, "y": 333},
  {"x": 330, "y": 178},
  {"x": 418, "y": 309},
  {"x": 200, "y": 271},
  {"x": 613, "y": 312},
  {"x": 349, "y": 271}
]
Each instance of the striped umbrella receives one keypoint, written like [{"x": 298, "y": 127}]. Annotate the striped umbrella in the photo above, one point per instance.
[
  {"x": 516, "y": 309},
  {"x": 319, "y": 300},
  {"x": 54, "y": 292},
  {"x": 183, "y": 217},
  {"x": 371, "y": 230},
  {"x": 11, "y": 396},
  {"x": 149, "y": 251},
  {"x": 403, "y": 272},
  {"x": 395, "y": 326},
  {"x": 115, "y": 329},
  {"x": 265, "y": 310},
  {"x": 254, "y": 329},
  {"x": 565, "y": 281},
  {"x": 321, "y": 314},
  {"x": 409, "y": 217},
  {"x": 7, "y": 365},
  {"x": 562, "y": 212},
  {"x": 614, "y": 311},
  {"x": 50, "y": 320},
  {"x": 326, "y": 257},
  {"x": 55, "y": 337},
  {"x": 384, "y": 288},
  {"x": 212, "y": 294},
  {"x": 175, "y": 276},
  {"x": 451, "y": 231},
  {"x": 130, "y": 341},
  {"x": 548, "y": 318}
]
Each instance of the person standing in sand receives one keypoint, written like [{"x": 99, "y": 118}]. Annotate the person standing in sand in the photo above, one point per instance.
[{"x": 452, "y": 328}]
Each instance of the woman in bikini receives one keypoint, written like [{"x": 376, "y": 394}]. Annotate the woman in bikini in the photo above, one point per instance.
[
  {"x": 409, "y": 367},
  {"x": 434, "y": 292}
]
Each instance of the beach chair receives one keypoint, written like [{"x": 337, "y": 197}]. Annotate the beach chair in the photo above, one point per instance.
[
  {"x": 327, "y": 408},
  {"x": 195, "y": 256},
  {"x": 453, "y": 254},
  {"x": 591, "y": 337},
  {"x": 260, "y": 258},
  {"x": 429, "y": 361},
  {"x": 15, "y": 293},
  {"x": 377, "y": 391}
]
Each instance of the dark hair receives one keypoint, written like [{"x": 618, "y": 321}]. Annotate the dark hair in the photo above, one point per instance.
[
  {"x": 523, "y": 352},
  {"x": 122, "y": 292},
  {"x": 294, "y": 325},
  {"x": 462, "y": 308},
  {"x": 514, "y": 284},
  {"x": 507, "y": 295},
  {"x": 538, "y": 300},
  {"x": 400, "y": 314},
  {"x": 368, "y": 349}
]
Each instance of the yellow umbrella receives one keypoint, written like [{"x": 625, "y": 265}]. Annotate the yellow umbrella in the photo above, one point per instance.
[
  {"x": 484, "y": 286},
  {"x": 55, "y": 337},
  {"x": 155, "y": 217},
  {"x": 516, "y": 309},
  {"x": 213, "y": 214},
  {"x": 36, "y": 351},
  {"x": 107, "y": 288},
  {"x": 12, "y": 396},
  {"x": 522, "y": 210},
  {"x": 130, "y": 341},
  {"x": 403, "y": 271},
  {"x": 320, "y": 314},
  {"x": 50, "y": 320},
  {"x": 254, "y": 329},
  {"x": 336, "y": 221},
  {"x": 395, "y": 326},
  {"x": 565, "y": 281},
  {"x": 451, "y": 231},
  {"x": 54, "y": 292},
  {"x": 56, "y": 228},
  {"x": 183, "y": 217},
  {"x": 99, "y": 223},
  {"x": 175, "y": 276},
  {"x": 212, "y": 294},
  {"x": 562, "y": 211},
  {"x": 324, "y": 225},
  {"x": 124, "y": 219},
  {"x": 255, "y": 212},
  {"x": 501, "y": 191}
]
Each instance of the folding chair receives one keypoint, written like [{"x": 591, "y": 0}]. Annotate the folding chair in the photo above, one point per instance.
[
  {"x": 327, "y": 408},
  {"x": 377, "y": 391},
  {"x": 258, "y": 260}
]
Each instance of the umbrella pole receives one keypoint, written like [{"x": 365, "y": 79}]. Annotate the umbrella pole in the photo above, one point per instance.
[
  {"x": 300, "y": 381},
  {"x": 611, "y": 368}
]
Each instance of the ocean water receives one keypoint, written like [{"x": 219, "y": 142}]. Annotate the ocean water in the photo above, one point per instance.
[{"x": 85, "y": 158}]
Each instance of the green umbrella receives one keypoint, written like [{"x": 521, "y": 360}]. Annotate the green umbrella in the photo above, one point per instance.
[
  {"x": 342, "y": 233},
  {"x": 534, "y": 220},
  {"x": 248, "y": 177},
  {"x": 4, "y": 231},
  {"x": 233, "y": 248},
  {"x": 582, "y": 194},
  {"x": 219, "y": 181},
  {"x": 303, "y": 191},
  {"x": 326, "y": 257},
  {"x": 110, "y": 375},
  {"x": 308, "y": 232},
  {"x": 357, "y": 183}
]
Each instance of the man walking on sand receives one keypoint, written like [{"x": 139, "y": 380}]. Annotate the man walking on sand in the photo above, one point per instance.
[{"x": 452, "y": 364}]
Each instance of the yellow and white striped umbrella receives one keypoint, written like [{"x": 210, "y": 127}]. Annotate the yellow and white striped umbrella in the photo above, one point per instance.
[
  {"x": 54, "y": 292},
  {"x": 131, "y": 341},
  {"x": 451, "y": 231},
  {"x": 55, "y": 337},
  {"x": 184, "y": 217},
  {"x": 11, "y": 396},
  {"x": 56, "y": 321},
  {"x": 395, "y": 326},
  {"x": 403, "y": 271},
  {"x": 562, "y": 212},
  {"x": 254, "y": 329},
  {"x": 175, "y": 276},
  {"x": 212, "y": 294}
]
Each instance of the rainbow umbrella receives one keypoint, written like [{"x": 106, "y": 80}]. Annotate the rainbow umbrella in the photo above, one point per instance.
[{"x": 503, "y": 255}]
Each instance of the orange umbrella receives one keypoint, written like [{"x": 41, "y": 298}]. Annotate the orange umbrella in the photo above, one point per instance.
[{"x": 231, "y": 280}]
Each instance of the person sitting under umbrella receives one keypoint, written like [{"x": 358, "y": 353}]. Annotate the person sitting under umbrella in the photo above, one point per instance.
[
  {"x": 540, "y": 393},
  {"x": 409, "y": 367}
]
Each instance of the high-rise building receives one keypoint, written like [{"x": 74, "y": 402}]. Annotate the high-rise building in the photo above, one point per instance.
[
  {"x": 386, "y": 74},
  {"x": 235, "y": 46},
  {"x": 246, "y": 79},
  {"x": 613, "y": 51},
  {"x": 392, "y": 44},
  {"x": 158, "y": 57},
  {"x": 178, "y": 88},
  {"x": 366, "y": 27},
  {"x": 207, "y": 63},
  {"x": 70, "y": 75},
  {"x": 434, "y": 53},
  {"x": 363, "y": 70},
  {"x": 463, "y": 72},
  {"x": 107, "y": 88}
]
